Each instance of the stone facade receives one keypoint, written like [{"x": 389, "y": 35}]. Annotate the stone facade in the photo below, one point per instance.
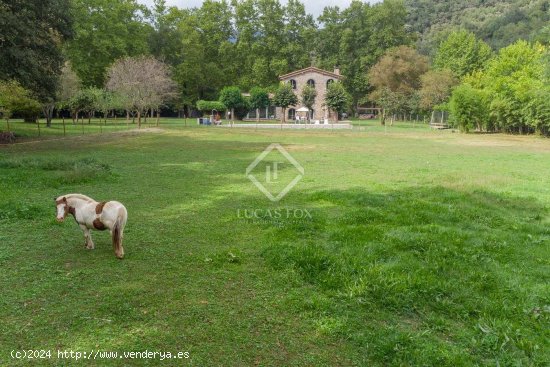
[{"x": 319, "y": 79}]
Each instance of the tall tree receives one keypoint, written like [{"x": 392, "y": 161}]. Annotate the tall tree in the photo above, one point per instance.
[
  {"x": 436, "y": 88},
  {"x": 462, "y": 53},
  {"x": 396, "y": 78},
  {"x": 165, "y": 38},
  {"x": 68, "y": 87},
  {"x": 356, "y": 37},
  {"x": 106, "y": 30},
  {"x": 31, "y": 35}
]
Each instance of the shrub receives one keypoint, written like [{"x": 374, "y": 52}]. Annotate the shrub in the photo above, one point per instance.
[
  {"x": 469, "y": 108},
  {"x": 208, "y": 106}
]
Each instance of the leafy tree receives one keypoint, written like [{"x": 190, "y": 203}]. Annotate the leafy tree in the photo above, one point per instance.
[
  {"x": 462, "y": 53},
  {"x": 210, "y": 61},
  {"x": 469, "y": 107},
  {"x": 232, "y": 98},
  {"x": 104, "y": 102},
  {"x": 165, "y": 39},
  {"x": 337, "y": 99},
  {"x": 105, "y": 30},
  {"x": 436, "y": 88},
  {"x": 69, "y": 86},
  {"x": 259, "y": 98},
  {"x": 16, "y": 99},
  {"x": 396, "y": 78},
  {"x": 308, "y": 97},
  {"x": 284, "y": 97},
  {"x": 209, "y": 106},
  {"x": 86, "y": 101},
  {"x": 31, "y": 33},
  {"x": 355, "y": 38},
  {"x": 499, "y": 23},
  {"x": 514, "y": 78}
]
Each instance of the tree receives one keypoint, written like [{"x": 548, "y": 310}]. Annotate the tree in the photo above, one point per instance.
[
  {"x": 469, "y": 107},
  {"x": 85, "y": 101},
  {"x": 396, "y": 77},
  {"x": 31, "y": 35},
  {"x": 284, "y": 97},
  {"x": 356, "y": 37},
  {"x": 68, "y": 87},
  {"x": 16, "y": 99},
  {"x": 141, "y": 82},
  {"x": 209, "y": 106},
  {"x": 105, "y": 30},
  {"x": 337, "y": 99},
  {"x": 259, "y": 98},
  {"x": 308, "y": 97},
  {"x": 436, "y": 88},
  {"x": 462, "y": 53},
  {"x": 165, "y": 39},
  {"x": 104, "y": 102},
  {"x": 232, "y": 98}
]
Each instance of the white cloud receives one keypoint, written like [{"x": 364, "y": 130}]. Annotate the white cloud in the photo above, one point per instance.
[{"x": 314, "y": 7}]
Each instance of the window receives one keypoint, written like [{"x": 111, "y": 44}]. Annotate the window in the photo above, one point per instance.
[
  {"x": 329, "y": 82},
  {"x": 291, "y": 113},
  {"x": 293, "y": 83},
  {"x": 311, "y": 83}
]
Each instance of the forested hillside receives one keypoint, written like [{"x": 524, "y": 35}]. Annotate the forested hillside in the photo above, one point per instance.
[{"x": 497, "y": 22}]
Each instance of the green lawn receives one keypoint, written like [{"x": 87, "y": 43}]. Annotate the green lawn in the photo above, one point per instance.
[{"x": 422, "y": 248}]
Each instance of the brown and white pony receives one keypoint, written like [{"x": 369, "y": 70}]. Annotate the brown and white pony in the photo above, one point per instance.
[{"x": 90, "y": 214}]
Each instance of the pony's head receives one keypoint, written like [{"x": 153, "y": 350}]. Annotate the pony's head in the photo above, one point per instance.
[{"x": 62, "y": 208}]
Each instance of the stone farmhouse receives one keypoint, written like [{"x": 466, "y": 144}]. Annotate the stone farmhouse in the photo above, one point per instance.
[{"x": 314, "y": 77}]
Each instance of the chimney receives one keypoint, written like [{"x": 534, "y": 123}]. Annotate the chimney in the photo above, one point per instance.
[{"x": 337, "y": 71}]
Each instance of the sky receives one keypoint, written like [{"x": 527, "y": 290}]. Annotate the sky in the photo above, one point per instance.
[{"x": 314, "y": 7}]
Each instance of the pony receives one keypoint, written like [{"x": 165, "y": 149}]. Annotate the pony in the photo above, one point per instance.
[{"x": 90, "y": 214}]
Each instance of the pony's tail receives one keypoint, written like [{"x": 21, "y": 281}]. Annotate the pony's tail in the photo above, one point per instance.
[{"x": 118, "y": 233}]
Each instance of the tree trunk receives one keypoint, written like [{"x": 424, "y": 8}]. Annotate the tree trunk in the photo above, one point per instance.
[
  {"x": 64, "y": 131},
  {"x": 158, "y": 116},
  {"x": 257, "y": 115},
  {"x": 232, "y": 116},
  {"x": 47, "y": 109},
  {"x": 8, "y": 123},
  {"x": 139, "y": 118}
]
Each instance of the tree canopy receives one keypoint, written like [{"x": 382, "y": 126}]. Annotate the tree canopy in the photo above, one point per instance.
[{"x": 31, "y": 36}]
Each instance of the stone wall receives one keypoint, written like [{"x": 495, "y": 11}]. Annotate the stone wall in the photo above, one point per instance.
[{"x": 319, "y": 111}]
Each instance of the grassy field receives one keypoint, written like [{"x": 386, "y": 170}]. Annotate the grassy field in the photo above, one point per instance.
[{"x": 420, "y": 248}]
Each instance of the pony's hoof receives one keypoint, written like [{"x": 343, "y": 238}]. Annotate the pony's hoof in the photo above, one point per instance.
[{"x": 119, "y": 256}]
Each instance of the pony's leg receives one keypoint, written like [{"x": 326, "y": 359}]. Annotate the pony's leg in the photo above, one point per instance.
[{"x": 89, "y": 243}]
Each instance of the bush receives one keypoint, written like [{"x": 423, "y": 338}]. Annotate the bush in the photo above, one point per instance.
[
  {"x": 469, "y": 108},
  {"x": 208, "y": 106}
]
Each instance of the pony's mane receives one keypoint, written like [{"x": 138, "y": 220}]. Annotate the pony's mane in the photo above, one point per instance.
[{"x": 78, "y": 196}]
